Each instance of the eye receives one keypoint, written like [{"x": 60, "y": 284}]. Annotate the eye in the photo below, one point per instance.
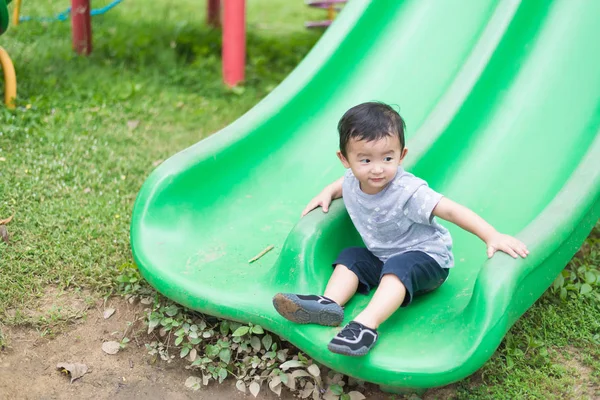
[
  {"x": 388, "y": 159},
  {"x": 365, "y": 161}
]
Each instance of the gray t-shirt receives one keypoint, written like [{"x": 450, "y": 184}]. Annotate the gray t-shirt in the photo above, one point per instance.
[{"x": 398, "y": 219}]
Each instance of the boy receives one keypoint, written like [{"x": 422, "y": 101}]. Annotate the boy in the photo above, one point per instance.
[{"x": 407, "y": 252}]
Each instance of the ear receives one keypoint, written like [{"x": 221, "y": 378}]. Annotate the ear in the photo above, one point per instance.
[
  {"x": 403, "y": 154},
  {"x": 343, "y": 159}
]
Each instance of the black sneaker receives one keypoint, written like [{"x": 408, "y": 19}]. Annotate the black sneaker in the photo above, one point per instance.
[
  {"x": 308, "y": 309},
  {"x": 354, "y": 340}
]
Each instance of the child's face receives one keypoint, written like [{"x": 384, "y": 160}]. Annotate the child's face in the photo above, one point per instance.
[{"x": 373, "y": 163}]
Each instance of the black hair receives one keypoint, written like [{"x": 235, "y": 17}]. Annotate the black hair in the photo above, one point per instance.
[{"x": 370, "y": 121}]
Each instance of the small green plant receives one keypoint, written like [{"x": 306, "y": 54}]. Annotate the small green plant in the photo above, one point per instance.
[
  {"x": 338, "y": 385},
  {"x": 217, "y": 349},
  {"x": 524, "y": 348},
  {"x": 2, "y": 340},
  {"x": 123, "y": 343},
  {"x": 581, "y": 277},
  {"x": 129, "y": 282}
]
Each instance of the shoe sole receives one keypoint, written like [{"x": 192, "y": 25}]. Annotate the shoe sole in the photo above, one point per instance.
[
  {"x": 344, "y": 350},
  {"x": 292, "y": 309}
]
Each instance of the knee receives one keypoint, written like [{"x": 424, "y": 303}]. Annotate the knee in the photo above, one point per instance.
[
  {"x": 342, "y": 268},
  {"x": 391, "y": 280}
]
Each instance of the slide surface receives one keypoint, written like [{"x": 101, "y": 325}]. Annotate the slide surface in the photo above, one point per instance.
[
  {"x": 502, "y": 103},
  {"x": 4, "y": 17}
]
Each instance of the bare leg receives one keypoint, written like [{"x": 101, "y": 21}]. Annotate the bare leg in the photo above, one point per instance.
[
  {"x": 387, "y": 298},
  {"x": 342, "y": 285}
]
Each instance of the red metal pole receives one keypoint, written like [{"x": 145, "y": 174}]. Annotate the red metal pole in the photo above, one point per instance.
[
  {"x": 213, "y": 15},
  {"x": 234, "y": 41},
  {"x": 81, "y": 25}
]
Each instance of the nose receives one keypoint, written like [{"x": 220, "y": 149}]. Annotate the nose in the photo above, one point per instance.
[{"x": 377, "y": 169}]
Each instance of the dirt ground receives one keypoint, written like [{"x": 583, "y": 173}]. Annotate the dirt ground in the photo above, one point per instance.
[{"x": 28, "y": 365}]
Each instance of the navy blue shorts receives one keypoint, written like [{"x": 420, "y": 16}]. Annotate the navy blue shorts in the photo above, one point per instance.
[{"x": 417, "y": 271}]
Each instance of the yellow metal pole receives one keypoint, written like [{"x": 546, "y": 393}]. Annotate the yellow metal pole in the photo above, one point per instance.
[
  {"x": 16, "y": 12},
  {"x": 331, "y": 12},
  {"x": 10, "y": 79}
]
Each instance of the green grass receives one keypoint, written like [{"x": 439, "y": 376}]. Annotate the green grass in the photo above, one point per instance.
[{"x": 70, "y": 166}]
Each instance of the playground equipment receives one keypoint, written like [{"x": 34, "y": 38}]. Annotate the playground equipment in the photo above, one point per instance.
[
  {"x": 80, "y": 13},
  {"x": 501, "y": 101},
  {"x": 234, "y": 30},
  {"x": 10, "y": 78},
  {"x": 62, "y": 16},
  {"x": 332, "y": 9},
  {"x": 3, "y": 15}
]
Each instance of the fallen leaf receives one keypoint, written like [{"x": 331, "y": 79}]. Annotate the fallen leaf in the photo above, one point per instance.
[
  {"x": 193, "y": 354},
  {"x": 108, "y": 313},
  {"x": 146, "y": 300},
  {"x": 299, "y": 373},
  {"x": 75, "y": 370},
  {"x": 314, "y": 370},
  {"x": 111, "y": 347},
  {"x": 87, "y": 190},
  {"x": 7, "y": 220},
  {"x": 316, "y": 394},
  {"x": 276, "y": 380},
  {"x": 290, "y": 382},
  {"x": 291, "y": 364},
  {"x": 354, "y": 395},
  {"x": 193, "y": 382},
  {"x": 275, "y": 385},
  {"x": 2, "y": 159},
  {"x": 307, "y": 391},
  {"x": 241, "y": 386},
  {"x": 157, "y": 163},
  {"x": 4, "y": 233},
  {"x": 254, "y": 388},
  {"x": 133, "y": 124}
]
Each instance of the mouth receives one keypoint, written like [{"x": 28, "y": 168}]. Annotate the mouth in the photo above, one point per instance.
[{"x": 377, "y": 180}]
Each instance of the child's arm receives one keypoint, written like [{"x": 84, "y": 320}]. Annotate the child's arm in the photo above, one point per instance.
[
  {"x": 331, "y": 192},
  {"x": 469, "y": 221}
]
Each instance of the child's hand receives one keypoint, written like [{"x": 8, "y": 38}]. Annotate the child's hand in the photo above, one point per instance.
[
  {"x": 507, "y": 244},
  {"x": 323, "y": 199}
]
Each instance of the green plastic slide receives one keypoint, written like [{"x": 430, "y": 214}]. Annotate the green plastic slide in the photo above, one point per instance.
[
  {"x": 502, "y": 102},
  {"x": 4, "y": 15}
]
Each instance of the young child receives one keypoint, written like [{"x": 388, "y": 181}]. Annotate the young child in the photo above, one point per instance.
[{"x": 407, "y": 252}]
